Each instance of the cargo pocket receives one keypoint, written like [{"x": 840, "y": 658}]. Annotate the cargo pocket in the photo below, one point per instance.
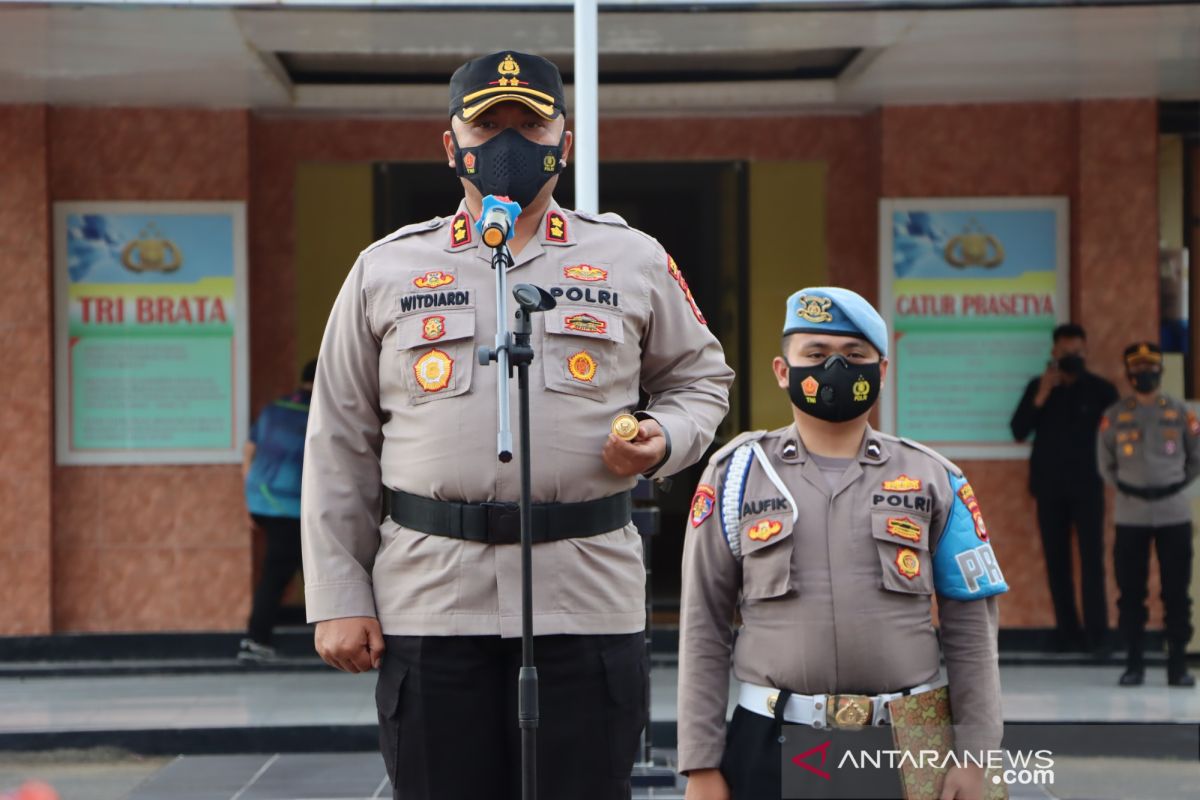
[
  {"x": 626, "y": 673},
  {"x": 766, "y": 558},
  {"x": 388, "y": 689},
  {"x": 580, "y": 350},
  {"x": 903, "y": 544},
  {"x": 437, "y": 353}
]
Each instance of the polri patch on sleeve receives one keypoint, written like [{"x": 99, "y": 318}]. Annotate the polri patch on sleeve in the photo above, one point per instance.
[{"x": 703, "y": 503}]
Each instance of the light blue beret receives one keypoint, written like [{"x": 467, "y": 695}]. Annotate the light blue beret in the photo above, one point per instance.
[{"x": 836, "y": 311}]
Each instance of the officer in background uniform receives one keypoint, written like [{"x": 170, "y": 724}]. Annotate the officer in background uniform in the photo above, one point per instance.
[
  {"x": 402, "y": 412},
  {"x": 831, "y": 540},
  {"x": 1149, "y": 448}
]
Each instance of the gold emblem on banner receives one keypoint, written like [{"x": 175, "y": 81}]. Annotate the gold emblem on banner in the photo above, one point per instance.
[
  {"x": 151, "y": 252},
  {"x": 974, "y": 247}
]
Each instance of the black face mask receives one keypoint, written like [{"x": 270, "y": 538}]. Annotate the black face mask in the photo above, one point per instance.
[
  {"x": 1072, "y": 364},
  {"x": 509, "y": 165},
  {"x": 1145, "y": 382},
  {"x": 835, "y": 391}
]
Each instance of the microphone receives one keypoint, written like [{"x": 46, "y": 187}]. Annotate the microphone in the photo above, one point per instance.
[{"x": 497, "y": 220}]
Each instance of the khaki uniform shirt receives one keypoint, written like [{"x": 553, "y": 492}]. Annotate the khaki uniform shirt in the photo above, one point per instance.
[
  {"x": 838, "y": 600},
  {"x": 1150, "y": 445},
  {"x": 400, "y": 401}
]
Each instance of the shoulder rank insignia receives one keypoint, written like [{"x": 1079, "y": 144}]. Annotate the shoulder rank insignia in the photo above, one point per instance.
[
  {"x": 433, "y": 328},
  {"x": 585, "y": 272},
  {"x": 908, "y": 563},
  {"x": 765, "y": 529},
  {"x": 585, "y": 323},
  {"x": 902, "y": 483},
  {"x": 433, "y": 370},
  {"x": 703, "y": 503},
  {"x": 582, "y": 366},
  {"x": 677, "y": 274},
  {"x": 460, "y": 228},
  {"x": 556, "y": 227},
  {"x": 904, "y": 528},
  {"x": 433, "y": 280}
]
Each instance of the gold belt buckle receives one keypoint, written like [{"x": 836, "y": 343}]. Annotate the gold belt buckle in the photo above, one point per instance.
[{"x": 851, "y": 711}]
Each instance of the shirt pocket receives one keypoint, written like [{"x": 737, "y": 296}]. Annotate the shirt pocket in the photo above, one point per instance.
[
  {"x": 437, "y": 353},
  {"x": 902, "y": 541},
  {"x": 580, "y": 350},
  {"x": 766, "y": 558}
]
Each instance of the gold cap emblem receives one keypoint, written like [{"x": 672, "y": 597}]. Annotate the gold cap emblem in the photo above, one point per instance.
[
  {"x": 814, "y": 309},
  {"x": 509, "y": 69}
]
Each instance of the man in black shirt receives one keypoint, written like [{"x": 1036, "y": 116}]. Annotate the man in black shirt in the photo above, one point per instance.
[{"x": 1062, "y": 408}]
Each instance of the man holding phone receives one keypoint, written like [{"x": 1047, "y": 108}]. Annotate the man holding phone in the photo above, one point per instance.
[{"x": 1062, "y": 409}]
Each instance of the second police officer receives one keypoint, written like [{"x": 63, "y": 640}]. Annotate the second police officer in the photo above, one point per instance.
[
  {"x": 1149, "y": 448},
  {"x": 831, "y": 540}
]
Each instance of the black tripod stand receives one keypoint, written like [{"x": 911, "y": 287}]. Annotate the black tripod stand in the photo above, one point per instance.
[{"x": 515, "y": 350}]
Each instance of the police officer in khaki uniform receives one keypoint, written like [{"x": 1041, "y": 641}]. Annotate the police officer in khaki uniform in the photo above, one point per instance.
[
  {"x": 1149, "y": 448},
  {"x": 831, "y": 540},
  {"x": 402, "y": 414}
]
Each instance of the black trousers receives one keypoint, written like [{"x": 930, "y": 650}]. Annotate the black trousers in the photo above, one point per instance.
[
  {"x": 280, "y": 564},
  {"x": 753, "y": 761},
  {"x": 1131, "y": 556},
  {"x": 1058, "y": 510},
  {"x": 448, "y": 716}
]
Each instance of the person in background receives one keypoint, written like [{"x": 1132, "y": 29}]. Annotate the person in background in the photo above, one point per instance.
[
  {"x": 1149, "y": 448},
  {"x": 271, "y": 464},
  {"x": 1062, "y": 409}
]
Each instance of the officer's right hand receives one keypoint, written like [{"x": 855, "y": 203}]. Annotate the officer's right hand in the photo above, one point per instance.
[
  {"x": 706, "y": 784},
  {"x": 351, "y": 644},
  {"x": 1048, "y": 383}
]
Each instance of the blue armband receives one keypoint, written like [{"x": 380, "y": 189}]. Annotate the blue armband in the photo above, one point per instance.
[{"x": 964, "y": 565}]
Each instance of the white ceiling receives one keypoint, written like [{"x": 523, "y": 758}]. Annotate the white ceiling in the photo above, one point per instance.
[{"x": 221, "y": 55}]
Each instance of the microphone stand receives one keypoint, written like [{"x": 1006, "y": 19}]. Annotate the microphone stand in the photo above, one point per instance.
[{"x": 516, "y": 350}]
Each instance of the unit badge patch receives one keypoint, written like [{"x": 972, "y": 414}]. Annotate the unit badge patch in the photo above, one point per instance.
[
  {"x": 675, "y": 272},
  {"x": 585, "y": 323},
  {"x": 433, "y": 328},
  {"x": 433, "y": 280},
  {"x": 703, "y": 503},
  {"x": 967, "y": 494},
  {"x": 765, "y": 529},
  {"x": 585, "y": 272},
  {"x": 1104, "y": 423},
  {"x": 904, "y": 528},
  {"x": 556, "y": 227},
  {"x": 433, "y": 370},
  {"x": 902, "y": 483},
  {"x": 1193, "y": 424},
  {"x": 908, "y": 563},
  {"x": 460, "y": 228},
  {"x": 582, "y": 366}
]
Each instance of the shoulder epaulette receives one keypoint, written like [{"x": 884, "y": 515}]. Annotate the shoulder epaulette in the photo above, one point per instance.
[
  {"x": 408, "y": 230},
  {"x": 735, "y": 443},
  {"x": 950, "y": 466},
  {"x": 607, "y": 218}
]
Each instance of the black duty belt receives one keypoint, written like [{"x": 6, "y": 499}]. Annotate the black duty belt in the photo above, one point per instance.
[{"x": 500, "y": 523}]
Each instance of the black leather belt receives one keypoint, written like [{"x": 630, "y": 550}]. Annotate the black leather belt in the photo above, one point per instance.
[{"x": 500, "y": 523}]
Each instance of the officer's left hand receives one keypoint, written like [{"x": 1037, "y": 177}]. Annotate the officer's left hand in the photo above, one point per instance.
[
  {"x": 963, "y": 783},
  {"x": 626, "y": 459}
]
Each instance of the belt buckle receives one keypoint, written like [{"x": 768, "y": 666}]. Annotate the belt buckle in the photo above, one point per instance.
[
  {"x": 850, "y": 711},
  {"x": 503, "y": 520}
]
